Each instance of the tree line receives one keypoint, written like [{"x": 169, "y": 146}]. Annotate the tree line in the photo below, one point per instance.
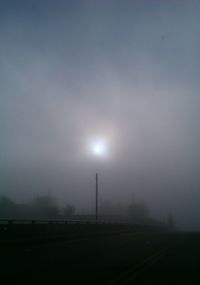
[
  {"x": 41, "y": 207},
  {"x": 46, "y": 207}
]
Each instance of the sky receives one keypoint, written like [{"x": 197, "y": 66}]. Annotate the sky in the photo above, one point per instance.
[{"x": 122, "y": 71}]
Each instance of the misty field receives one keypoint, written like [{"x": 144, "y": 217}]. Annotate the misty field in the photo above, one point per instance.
[{"x": 143, "y": 257}]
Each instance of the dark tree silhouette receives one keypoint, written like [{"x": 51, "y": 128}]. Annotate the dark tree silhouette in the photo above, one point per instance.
[
  {"x": 45, "y": 207},
  {"x": 171, "y": 223},
  {"x": 8, "y": 208},
  {"x": 68, "y": 211},
  {"x": 138, "y": 212}
]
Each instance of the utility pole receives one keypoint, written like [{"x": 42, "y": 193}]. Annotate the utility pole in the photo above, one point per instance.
[{"x": 97, "y": 186}]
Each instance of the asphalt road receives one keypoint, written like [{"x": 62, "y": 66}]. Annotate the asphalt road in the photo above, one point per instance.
[{"x": 117, "y": 259}]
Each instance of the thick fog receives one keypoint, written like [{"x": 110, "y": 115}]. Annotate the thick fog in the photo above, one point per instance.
[{"x": 123, "y": 71}]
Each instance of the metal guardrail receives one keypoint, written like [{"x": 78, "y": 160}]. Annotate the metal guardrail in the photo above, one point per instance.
[
  {"x": 48, "y": 221},
  {"x": 69, "y": 222}
]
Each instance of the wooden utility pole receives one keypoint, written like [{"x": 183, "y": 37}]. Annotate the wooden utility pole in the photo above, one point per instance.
[{"x": 96, "y": 198}]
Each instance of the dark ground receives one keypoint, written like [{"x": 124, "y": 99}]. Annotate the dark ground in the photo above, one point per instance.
[{"x": 137, "y": 258}]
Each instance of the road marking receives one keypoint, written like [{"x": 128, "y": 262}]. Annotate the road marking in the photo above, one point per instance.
[{"x": 131, "y": 274}]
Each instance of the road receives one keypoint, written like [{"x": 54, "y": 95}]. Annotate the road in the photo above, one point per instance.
[{"x": 138, "y": 258}]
